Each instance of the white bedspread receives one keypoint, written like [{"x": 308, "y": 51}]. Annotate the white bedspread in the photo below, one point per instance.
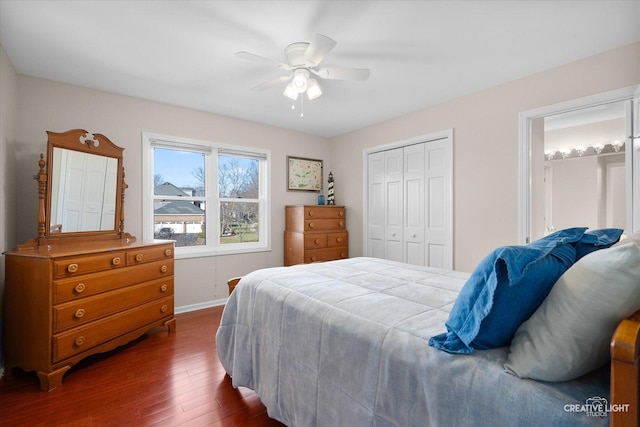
[{"x": 344, "y": 343}]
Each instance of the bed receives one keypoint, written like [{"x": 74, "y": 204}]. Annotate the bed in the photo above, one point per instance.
[{"x": 346, "y": 343}]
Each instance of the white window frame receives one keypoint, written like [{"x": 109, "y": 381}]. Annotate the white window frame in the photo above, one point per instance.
[{"x": 211, "y": 198}]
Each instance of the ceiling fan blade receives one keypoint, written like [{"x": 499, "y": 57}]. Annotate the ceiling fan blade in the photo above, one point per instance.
[
  {"x": 273, "y": 83},
  {"x": 261, "y": 59},
  {"x": 319, "y": 47},
  {"x": 331, "y": 73}
]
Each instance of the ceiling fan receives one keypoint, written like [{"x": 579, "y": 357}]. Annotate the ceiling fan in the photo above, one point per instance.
[{"x": 303, "y": 62}]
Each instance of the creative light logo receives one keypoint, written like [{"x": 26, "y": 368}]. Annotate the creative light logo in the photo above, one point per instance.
[{"x": 596, "y": 407}]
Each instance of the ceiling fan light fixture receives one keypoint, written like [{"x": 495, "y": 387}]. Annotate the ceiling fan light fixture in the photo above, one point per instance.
[
  {"x": 300, "y": 79},
  {"x": 313, "y": 89},
  {"x": 290, "y": 92}
]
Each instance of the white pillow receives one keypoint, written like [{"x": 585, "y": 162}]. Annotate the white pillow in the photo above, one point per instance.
[{"x": 570, "y": 333}]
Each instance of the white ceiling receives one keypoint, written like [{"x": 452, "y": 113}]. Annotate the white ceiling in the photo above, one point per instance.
[{"x": 420, "y": 53}]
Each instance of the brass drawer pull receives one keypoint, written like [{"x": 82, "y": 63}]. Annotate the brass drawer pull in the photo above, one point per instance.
[
  {"x": 343, "y": 255},
  {"x": 341, "y": 223},
  {"x": 168, "y": 252},
  {"x": 164, "y": 308},
  {"x": 310, "y": 213},
  {"x": 164, "y": 268},
  {"x": 313, "y": 258},
  {"x": 72, "y": 268},
  {"x": 80, "y": 287},
  {"x": 341, "y": 213},
  {"x": 339, "y": 239},
  {"x": 116, "y": 261},
  {"x": 80, "y": 340},
  {"x": 139, "y": 257},
  {"x": 164, "y": 288},
  {"x": 317, "y": 241},
  {"x": 312, "y": 225},
  {"x": 79, "y": 313}
]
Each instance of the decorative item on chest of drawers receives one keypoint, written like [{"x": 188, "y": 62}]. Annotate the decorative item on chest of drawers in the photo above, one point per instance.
[
  {"x": 315, "y": 233},
  {"x": 83, "y": 286}
]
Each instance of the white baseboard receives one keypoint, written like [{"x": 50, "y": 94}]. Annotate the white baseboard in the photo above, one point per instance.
[{"x": 200, "y": 306}]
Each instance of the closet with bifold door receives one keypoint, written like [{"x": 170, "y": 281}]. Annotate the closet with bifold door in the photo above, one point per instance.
[{"x": 409, "y": 202}]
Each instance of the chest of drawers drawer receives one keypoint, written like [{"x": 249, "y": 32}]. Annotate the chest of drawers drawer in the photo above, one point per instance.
[
  {"x": 85, "y": 310},
  {"x": 142, "y": 255},
  {"x": 337, "y": 239},
  {"x": 315, "y": 240},
  {"x": 92, "y": 284},
  {"x": 326, "y": 254},
  {"x": 324, "y": 224},
  {"x": 323, "y": 212},
  {"x": 88, "y": 264},
  {"x": 83, "y": 338}
]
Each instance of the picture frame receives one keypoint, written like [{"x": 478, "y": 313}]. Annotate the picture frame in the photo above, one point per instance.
[{"x": 304, "y": 174}]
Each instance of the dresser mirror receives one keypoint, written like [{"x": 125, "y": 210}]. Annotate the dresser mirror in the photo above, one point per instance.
[{"x": 81, "y": 188}]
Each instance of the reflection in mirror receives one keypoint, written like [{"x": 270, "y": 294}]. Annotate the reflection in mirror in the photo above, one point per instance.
[
  {"x": 585, "y": 169},
  {"x": 83, "y": 192}
]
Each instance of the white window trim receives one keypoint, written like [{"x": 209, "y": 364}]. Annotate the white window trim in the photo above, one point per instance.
[{"x": 149, "y": 140}]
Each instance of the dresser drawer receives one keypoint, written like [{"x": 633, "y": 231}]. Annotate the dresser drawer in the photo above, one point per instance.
[
  {"x": 85, "y": 337},
  {"x": 92, "y": 284},
  {"x": 315, "y": 241},
  {"x": 88, "y": 264},
  {"x": 324, "y": 224},
  {"x": 327, "y": 254},
  {"x": 85, "y": 310},
  {"x": 323, "y": 212},
  {"x": 149, "y": 254},
  {"x": 337, "y": 239}
]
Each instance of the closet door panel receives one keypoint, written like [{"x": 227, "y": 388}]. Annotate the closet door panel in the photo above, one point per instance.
[
  {"x": 376, "y": 206},
  {"x": 438, "y": 194},
  {"x": 414, "y": 161},
  {"x": 394, "y": 205}
]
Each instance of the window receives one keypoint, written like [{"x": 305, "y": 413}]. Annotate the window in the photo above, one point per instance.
[{"x": 210, "y": 198}]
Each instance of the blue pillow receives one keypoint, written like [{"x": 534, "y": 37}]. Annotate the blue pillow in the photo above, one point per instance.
[
  {"x": 596, "y": 239},
  {"x": 504, "y": 291}
]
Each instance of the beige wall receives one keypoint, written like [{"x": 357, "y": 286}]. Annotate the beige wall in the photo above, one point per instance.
[
  {"x": 485, "y": 148},
  {"x": 8, "y": 122},
  {"x": 47, "y": 105}
]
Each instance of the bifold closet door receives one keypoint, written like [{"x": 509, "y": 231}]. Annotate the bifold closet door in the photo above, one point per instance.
[
  {"x": 409, "y": 204},
  {"x": 385, "y": 205}
]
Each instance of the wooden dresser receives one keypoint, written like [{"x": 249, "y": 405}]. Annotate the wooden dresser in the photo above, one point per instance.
[
  {"x": 64, "y": 303},
  {"x": 315, "y": 233}
]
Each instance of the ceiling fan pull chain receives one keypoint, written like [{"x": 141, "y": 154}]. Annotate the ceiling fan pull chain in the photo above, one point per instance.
[{"x": 302, "y": 106}]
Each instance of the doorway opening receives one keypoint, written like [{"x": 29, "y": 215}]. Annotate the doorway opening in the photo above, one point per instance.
[{"x": 579, "y": 165}]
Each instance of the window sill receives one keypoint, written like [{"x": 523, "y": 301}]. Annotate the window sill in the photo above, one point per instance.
[{"x": 208, "y": 252}]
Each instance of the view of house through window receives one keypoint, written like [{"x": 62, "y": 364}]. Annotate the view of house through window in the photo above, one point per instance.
[
  {"x": 238, "y": 189},
  {"x": 187, "y": 195},
  {"x": 179, "y": 205}
]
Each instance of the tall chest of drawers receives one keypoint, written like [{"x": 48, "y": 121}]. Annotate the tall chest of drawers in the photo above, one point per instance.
[
  {"x": 65, "y": 303},
  {"x": 315, "y": 233}
]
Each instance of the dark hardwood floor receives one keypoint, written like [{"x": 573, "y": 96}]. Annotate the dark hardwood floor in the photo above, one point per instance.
[{"x": 160, "y": 379}]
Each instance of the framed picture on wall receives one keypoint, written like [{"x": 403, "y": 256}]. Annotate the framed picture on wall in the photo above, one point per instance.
[{"x": 304, "y": 174}]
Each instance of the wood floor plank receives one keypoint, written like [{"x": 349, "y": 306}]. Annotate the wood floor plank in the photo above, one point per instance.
[{"x": 161, "y": 379}]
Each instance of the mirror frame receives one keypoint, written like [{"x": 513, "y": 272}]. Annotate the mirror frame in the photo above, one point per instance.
[{"x": 82, "y": 141}]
